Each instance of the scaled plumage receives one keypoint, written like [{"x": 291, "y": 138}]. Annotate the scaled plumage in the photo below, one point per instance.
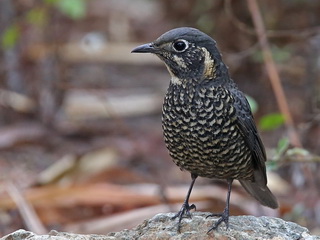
[{"x": 207, "y": 123}]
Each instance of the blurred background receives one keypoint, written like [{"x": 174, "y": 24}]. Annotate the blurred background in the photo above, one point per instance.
[{"x": 81, "y": 145}]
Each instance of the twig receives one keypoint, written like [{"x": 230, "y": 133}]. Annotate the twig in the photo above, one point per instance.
[
  {"x": 127, "y": 219},
  {"x": 293, "y": 33},
  {"x": 27, "y": 212},
  {"x": 273, "y": 72},
  {"x": 276, "y": 85},
  {"x": 203, "y": 197},
  {"x": 11, "y": 62}
]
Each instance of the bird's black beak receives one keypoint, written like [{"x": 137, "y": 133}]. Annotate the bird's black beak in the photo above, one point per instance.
[{"x": 145, "y": 48}]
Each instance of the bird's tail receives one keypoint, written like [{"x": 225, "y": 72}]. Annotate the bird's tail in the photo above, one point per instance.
[{"x": 260, "y": 193}]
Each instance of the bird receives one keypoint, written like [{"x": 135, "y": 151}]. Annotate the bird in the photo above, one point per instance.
[{"x": 207, "y": 122}]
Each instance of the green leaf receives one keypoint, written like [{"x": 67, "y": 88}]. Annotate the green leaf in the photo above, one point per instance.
[
  {"x": 74, "y": 9},
  {"x": 271, "y": 121},
  {"x": 257, "y": 56},
  {"x": 298, "y": 152},
  {"x": 51, "y": 1},
  {"x": 280, "y": 55},
  {"x": 10, "y": 36},
  {"x": 272, "y": 165},
  {"x": 37, "y": 16},
  {"x": 205, "y": 22},
  {"x": 253, "y": 104},
  {"x": 283, "y": 145}
]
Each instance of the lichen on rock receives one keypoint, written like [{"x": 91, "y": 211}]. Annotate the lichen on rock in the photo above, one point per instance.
[{"x": 162, "y": 227}]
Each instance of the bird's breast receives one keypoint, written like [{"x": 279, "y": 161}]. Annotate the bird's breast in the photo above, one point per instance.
[
  {"x": 200, "y": 130},
  {"x": 195, "y": 111}
]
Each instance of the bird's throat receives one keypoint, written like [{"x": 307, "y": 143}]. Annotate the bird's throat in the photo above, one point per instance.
[{"x": 174, "y": 79}]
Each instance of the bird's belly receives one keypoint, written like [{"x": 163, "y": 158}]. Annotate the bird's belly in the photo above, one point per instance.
[{"x": 208, "y": 149}]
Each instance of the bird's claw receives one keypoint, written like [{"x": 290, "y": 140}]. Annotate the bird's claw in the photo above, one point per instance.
[
  {"x": 224, "y": 217},
  {"x": 184, "y": 212}
]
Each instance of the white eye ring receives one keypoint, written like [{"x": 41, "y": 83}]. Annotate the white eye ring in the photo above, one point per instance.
[{"x": 180, "y": 45}]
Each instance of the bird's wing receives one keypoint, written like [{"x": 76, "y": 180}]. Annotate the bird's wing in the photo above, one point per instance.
[{"x": 249, "y": 131}]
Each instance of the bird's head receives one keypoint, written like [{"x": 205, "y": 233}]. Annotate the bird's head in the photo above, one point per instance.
[{"x": 188, "y": 53}]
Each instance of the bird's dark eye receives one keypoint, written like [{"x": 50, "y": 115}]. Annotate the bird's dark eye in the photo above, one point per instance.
[{"x": 180, "y": 45}]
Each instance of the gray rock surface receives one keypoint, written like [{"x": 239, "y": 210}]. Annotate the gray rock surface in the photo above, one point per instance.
[{"x": 161, "y": 227}]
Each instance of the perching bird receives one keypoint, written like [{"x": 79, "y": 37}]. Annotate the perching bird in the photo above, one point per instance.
[{"x": 207, "y": 122}]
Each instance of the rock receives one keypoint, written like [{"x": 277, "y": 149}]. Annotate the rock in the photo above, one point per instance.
[{"x": 161, "y": 227}]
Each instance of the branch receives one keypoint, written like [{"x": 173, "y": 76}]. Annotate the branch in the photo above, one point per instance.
[
  {"x": 273, "y": 72},
  {"x": 293, "y": 33},
  {"x": 26, "y": 210}
]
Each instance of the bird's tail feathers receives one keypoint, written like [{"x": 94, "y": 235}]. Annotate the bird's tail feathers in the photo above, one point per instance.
[{"x": 260, "y": 193}]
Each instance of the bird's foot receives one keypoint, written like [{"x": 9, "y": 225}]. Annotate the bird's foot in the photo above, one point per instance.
[
  {"x": 224, "y": 217},
  {"x": 184, "y": 212}
]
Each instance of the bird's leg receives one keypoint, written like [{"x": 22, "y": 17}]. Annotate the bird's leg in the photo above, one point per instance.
[
  {"x": 224, "y": 216},
  {"x": 185, "y": 209}
]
